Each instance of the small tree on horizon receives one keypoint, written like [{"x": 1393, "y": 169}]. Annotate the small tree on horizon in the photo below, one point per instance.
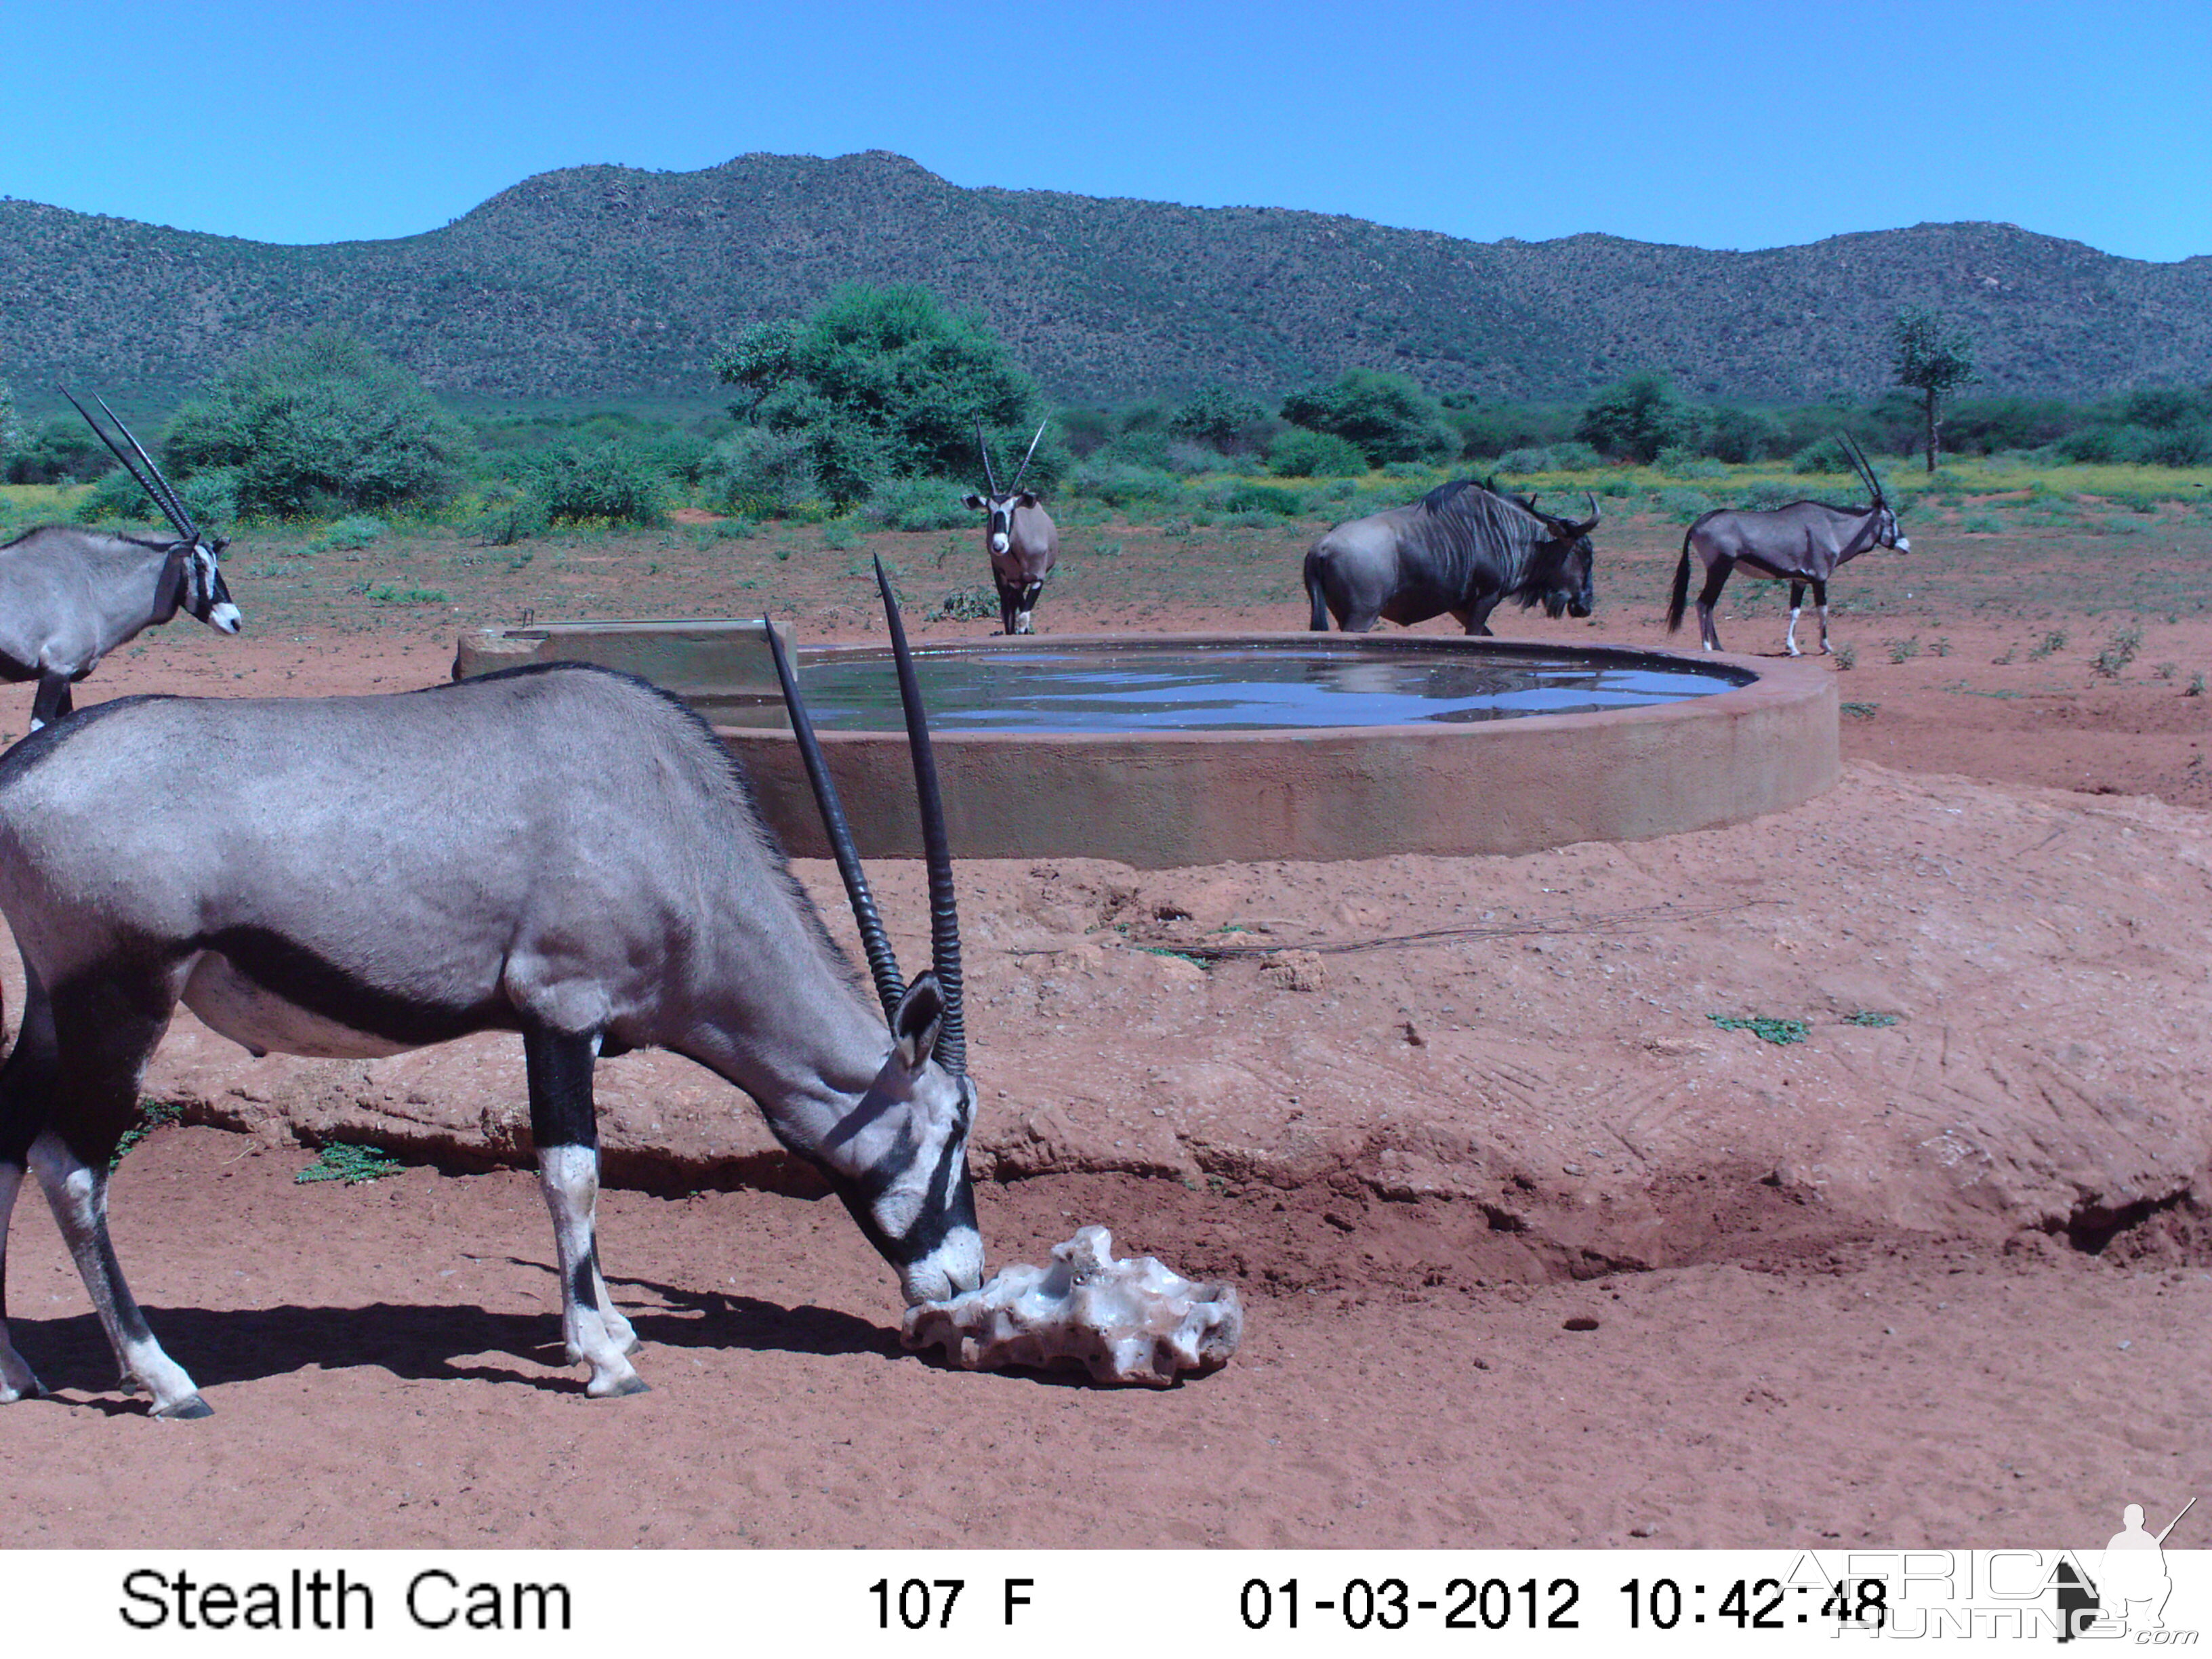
[{"x": 1932, "y": 359}]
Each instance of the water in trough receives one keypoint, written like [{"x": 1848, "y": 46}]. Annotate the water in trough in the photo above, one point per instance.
[{"x": 1242, "y": 686}]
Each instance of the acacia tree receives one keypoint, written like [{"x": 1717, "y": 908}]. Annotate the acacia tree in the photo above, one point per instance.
[
  {"x": 1635, "y": 417},
  {"x": 882, "y": 383},
  {"x": 1387, "y": 416},
  {"x": 319, "y": 422},
  {"x": 1932, "y": 359}
]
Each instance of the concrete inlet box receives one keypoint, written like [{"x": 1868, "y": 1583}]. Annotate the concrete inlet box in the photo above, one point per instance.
[{"x": 721, "y": 668}]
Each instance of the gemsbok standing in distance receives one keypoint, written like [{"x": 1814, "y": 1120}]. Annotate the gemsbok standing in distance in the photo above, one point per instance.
[
  {"x": 1803, "y": 544},
  {"x": 559, "y": 850},
  {"x": 70, "y": 596},
  {"x": 1019, "y": 536}
]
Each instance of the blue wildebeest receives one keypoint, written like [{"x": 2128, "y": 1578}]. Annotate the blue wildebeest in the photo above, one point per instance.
[
  {"x": 70, "y": 596},
  {"x": 1802, "y": 543},
  {"x": 1020, "y": 538},
  {"x": 1461, "y": 548},
  {"x": 559, "y": 851}
]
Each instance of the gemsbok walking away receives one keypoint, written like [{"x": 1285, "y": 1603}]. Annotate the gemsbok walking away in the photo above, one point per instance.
[
  {"x": 1461, "y": 548},
  {"x": 70, "y": 596},
  {"x": 1020, "y": 538},
  {"x": 558, "y": 850},
  {"x": 1803, "y": 544}
]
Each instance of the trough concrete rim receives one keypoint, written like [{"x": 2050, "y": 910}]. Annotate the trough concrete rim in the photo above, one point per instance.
[{"x": 1159, "y": 800}]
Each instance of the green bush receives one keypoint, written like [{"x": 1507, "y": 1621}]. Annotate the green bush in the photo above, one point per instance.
[
  {"x": 510, "y": 516},
  {"x": 59, "y": 449},
  {"x": 1741, "y": 436},
  {"x": 316, "y": 424},
  {"x": 1765, "y": 494},
  {"x": 885, "y": 383},
  {"x": 1679, "y": 462},
  {"x": 1495, "y": 429},
  {"x": 1684, "y": 506},
  {"x": 350, "y": 535},
  {"x": 759, "y": 473},
  {"x": 1219, "y": 416},
  {"x": 970, "y": 605},
  {"x": 1637, "y": 418},
  {"x": 1387, "y": 417},
  {"x": 116, "y": 499},
  {"x": 1824, "y": 455},
  {"x": 1123, "y": 486},
  {"x": 1146, "y": 445},
  {"x": 1297, "y": 453},
  {"x": 918, "y": 504},
  {"x": 609, "y": 483},
  {"x": 1264, "y": 498}
]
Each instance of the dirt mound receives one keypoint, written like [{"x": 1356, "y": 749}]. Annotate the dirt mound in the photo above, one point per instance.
[{"x": 1969, "y": 1017}]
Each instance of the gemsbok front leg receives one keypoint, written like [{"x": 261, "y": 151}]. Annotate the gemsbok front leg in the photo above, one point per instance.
[{"x": 564, "y": 1127}]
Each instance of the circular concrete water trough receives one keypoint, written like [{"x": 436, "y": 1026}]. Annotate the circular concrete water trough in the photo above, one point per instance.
[{"x": 1364, "y": 746}]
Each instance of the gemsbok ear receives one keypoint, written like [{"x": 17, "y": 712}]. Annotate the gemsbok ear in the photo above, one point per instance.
[
  {"x": 918, "y": 1019},
  {"x": 974, "y": 503}
]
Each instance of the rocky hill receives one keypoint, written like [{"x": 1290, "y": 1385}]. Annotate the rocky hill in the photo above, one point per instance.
[{"x": 609, "y": 282}]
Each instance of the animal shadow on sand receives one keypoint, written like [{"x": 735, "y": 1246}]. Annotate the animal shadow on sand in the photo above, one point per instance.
[{"x": 427, "y": 1341}]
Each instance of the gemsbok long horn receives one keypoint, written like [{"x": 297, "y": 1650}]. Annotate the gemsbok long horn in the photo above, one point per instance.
[
  {"x": 171, "y": 508},
  {"x": 882, "y": 965},
  {"x": 944, "y": 913},
  {"x": 1026, "y": 459},
  {"x": 989, "y": 476},
  {"x": 172, "y": 502}
]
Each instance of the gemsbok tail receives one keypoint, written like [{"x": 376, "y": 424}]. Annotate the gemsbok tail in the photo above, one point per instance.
[
  {"x": 1319, "y": 621},
  {"x": 1680, "y": 597}
]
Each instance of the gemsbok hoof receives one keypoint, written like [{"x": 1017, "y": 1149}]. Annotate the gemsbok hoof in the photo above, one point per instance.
[
  {"x": 189, "y": 1409},
  {"x": 616, "y": 1388}
]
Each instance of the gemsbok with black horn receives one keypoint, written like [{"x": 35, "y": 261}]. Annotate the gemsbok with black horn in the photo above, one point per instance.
[
  {"x": 70, "y": 596},
  {"x": 556, "y": 850},
  {"x": 1803, "y": 544},
  {"x": 1019, "y": 536}
]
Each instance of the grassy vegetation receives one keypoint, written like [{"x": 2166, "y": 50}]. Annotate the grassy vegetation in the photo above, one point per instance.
[{"x": 339, "y": 1161}]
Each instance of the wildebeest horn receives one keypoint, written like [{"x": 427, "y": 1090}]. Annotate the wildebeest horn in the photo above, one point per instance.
[
  {"x": 989, "y": 478},
  {"x": 1026, "y": 459},
  {"x": 944, "y": 912},
  {"x": 883, "y": 966},
  {"x": 1596, "y": 514},
  {"x": 161, "y": 494}
]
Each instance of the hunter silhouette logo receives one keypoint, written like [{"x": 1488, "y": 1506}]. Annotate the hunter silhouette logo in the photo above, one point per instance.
[{"x": 2131, "y": 1585}]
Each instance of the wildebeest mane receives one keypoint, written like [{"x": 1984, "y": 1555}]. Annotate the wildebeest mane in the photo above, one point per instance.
[{"x": 1458, "y": 521}]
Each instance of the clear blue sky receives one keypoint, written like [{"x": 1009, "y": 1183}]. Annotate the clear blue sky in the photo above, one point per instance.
[{"x": 1721, "y": 126}]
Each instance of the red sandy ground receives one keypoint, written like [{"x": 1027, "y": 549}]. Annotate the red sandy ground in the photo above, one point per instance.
[{"x": 383, "y": 1358}]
